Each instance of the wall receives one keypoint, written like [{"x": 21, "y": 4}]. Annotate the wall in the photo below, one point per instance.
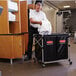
[
  {"x": 59, "y": 23},
  {"x": 72, "y": 21},
  {"x": 51, "y": 15}
]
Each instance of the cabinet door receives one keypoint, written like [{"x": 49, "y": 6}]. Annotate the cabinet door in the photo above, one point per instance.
[
  {"x": 49, "y": 48},
  {"x": 4, "y": 28},
  {"x": 6, "y": 47},
  {"x": 62, "y": 47},
  {"x": 24, "y": 22},
  {"x": 17, "y": 46}
]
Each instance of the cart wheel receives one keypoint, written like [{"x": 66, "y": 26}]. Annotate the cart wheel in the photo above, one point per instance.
[
  {"x": 70, "y": 62},
  {"x": 34, "y": 60},
  {"x": 69, "y": 45},
  {"x": 43, "y": 65}
]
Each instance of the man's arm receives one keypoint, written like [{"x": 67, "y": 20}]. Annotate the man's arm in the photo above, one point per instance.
[{"x": 35, "y": 22}]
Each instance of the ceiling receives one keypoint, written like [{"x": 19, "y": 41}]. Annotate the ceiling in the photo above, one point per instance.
[{"x": 61, "y": 3}]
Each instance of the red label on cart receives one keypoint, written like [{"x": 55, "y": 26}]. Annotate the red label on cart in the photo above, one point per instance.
[
  {"x": 49, "y": 42},
  {"x": 62, "y": 41}
]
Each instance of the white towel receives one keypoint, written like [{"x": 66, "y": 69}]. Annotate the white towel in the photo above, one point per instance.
[
  {"x": 11, "y": 17},
  {"x": 45, "y": 28},
  {"x": 12, "y": 6}
]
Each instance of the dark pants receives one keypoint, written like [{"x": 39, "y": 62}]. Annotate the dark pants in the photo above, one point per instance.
[{"x": 30, "y": 42}]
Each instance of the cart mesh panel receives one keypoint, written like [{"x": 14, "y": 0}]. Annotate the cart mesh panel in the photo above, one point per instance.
[
  {"x": 55, "y": 47},
  {"x": 38, "y": 49},
  {"x": 62, "y": 47},
  {"x": 49, "y": 43}
]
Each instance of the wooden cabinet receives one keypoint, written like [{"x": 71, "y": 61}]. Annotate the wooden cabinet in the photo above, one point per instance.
[
  {"x": 10, "y": 46},
  {"x": 12, "y": 43},
  {"x": 12, "y": 26},
  {"x": 4, "y": 24},
  {"x": 24, "y": 21},
  {"x": 15, "y": 26}
]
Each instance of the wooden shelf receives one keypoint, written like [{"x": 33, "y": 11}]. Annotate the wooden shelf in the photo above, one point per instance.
[
  {"x": 13, "y": 21},
  {"x": 14, "y": 11},
  {"x": 15, "y": 45}
]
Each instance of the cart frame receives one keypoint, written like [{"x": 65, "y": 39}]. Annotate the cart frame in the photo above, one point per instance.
[{"x": 42, "y": 60}]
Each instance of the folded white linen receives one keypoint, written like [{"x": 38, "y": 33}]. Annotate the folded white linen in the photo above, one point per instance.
[
  {"x": 12, "y": 6},
  {"x": 11, "y": 17},
  {"x": 45, "y": 28}
]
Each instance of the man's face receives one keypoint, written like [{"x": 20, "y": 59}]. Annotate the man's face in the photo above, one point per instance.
[{"x": 38, "y": 7}]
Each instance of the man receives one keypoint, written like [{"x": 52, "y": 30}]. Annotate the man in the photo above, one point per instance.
[{"x": 36, "y": 16}]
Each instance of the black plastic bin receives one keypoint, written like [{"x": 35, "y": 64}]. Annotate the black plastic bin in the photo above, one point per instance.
[{"x": 51, "y": 48}]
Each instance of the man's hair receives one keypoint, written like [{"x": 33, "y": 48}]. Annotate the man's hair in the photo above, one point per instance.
[{"x": 38, "y": 1}]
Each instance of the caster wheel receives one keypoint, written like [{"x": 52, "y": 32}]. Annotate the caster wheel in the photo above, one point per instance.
[
  {"x": 43, "y": 65},
  {"x": 70, "y": 63},
  {"x": 34, "y": 60},
  {"x": 69, "y": 60},
  {"x": 69, "y": 45}
]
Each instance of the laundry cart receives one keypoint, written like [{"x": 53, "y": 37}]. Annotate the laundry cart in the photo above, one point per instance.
[{"x": 51, "y": 48}]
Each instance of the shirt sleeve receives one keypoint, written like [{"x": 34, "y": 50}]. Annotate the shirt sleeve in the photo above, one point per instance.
[{"x": 31, "y": 14}]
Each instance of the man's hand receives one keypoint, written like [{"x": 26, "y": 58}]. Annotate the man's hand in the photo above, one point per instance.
[
  {"x": 40, "y": 22},
  {"x": 35, "y": 22}
]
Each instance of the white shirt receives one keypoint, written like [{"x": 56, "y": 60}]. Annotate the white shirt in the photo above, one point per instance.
[
  {"x": 37, "y": 16},
  {"x": 40, "y": 16}
]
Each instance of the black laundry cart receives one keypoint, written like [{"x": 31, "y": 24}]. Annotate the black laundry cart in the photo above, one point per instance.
[{"x": 51, "y": 48}]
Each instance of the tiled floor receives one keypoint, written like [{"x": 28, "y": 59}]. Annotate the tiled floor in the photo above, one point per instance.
[{"x": 34, "y": 69}]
